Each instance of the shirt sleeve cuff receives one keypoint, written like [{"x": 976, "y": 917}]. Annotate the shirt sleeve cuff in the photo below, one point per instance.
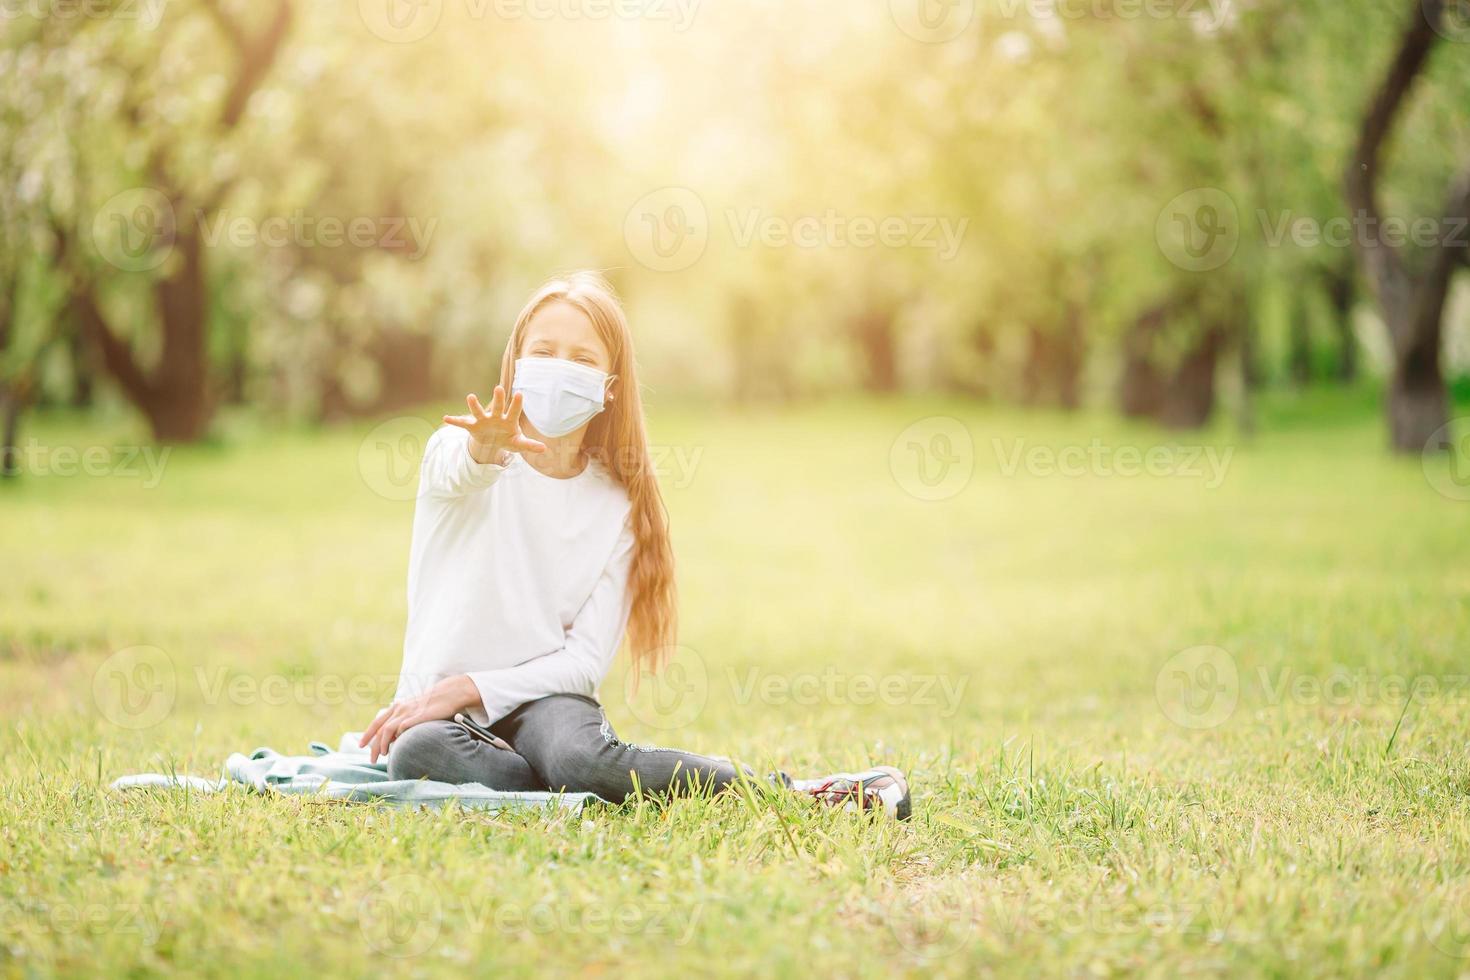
[
  {"x": 491, "y": 708},
  {"x": 478, "y": 476}
]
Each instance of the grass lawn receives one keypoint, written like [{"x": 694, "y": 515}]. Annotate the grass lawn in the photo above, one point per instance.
[{"x": 1154, "y": 723}]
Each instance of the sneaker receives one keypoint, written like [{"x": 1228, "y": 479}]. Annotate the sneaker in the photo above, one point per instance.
[{"x": 881, "y": 788}]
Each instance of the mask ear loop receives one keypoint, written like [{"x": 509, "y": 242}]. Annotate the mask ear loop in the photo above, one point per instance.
[{"x": 607, "y": 392}]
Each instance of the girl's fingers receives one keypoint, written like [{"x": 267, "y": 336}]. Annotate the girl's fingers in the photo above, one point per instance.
[
  {"x": 405, "y": 721},
  {"x": 380, "y": 728},
  {"x": 385, "y": 738},
  {"x": 372, "y": 729},
  {"x": 371, "y": 737},
  {"x": 513, "y": 415},
  {"x": 497, "y": 403},
  {"x": 463, "y": 421},
  {"x": 476, "y": 409}
]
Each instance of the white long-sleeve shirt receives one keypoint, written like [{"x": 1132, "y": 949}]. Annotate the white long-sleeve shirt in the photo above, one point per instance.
[{"x": 518, "y": 579}]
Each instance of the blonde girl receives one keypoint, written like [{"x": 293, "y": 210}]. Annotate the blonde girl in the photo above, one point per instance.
[{"x": 540, "y": 546}]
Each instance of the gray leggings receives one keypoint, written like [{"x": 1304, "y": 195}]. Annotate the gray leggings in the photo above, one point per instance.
[{"x": 561, "y": 743}]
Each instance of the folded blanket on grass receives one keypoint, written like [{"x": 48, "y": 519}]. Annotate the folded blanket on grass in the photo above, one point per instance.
[{"x": 346, "y": 774}]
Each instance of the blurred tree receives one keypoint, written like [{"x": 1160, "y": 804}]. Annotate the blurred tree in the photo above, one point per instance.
[
  {"x": 1049, "y": 138},
  {"x": 160, "y": 111},
  {"x": 26, "y": 327},
  {"x": 1164, "y": 93},
  {"x": 1411, "y": 300},
  {"x": 13, "y": 383}
]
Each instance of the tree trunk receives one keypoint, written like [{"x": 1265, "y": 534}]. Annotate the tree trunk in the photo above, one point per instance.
[
  {"x": 181, "y": 406},
  {"x": 980, "y": 343},
  {"x": 12, "y": 403},
  {"x": 405, "y": 368},
  {"x": 175, "y": 398},
  {"x": 1417, "y": 406},
  {"x": 1181, "y": 397},
  {"x": 1340, "y": 295},
  {"x": 1035, "y": 375},
  {"x": 1250, "y": 368},
  {"x": 83, "y": 368},
  {"x": 874, "y": 331},
  {"x": 178, "y": 419},
  {"x": 1412, "y": 303},
  {"x": 1070, "y": 361},
  {"x": 1141, "y": 384},
  {"x": 1300, "y": 360},
  {"x": 1053, "y": 372},
  {"x": 236, "y": 374},
  {"x": 9, "y": 395},
  {"x": 1189, "y": 397}
]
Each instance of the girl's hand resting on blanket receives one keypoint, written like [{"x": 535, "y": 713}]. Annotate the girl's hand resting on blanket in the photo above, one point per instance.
[
  {"x": 496, "y": 432},
  {"x": 440, "y": 703}
]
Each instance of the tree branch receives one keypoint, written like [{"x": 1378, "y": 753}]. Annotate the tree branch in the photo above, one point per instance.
[
  {"x": 117, "y": 356},
  {"x": 256, "y": 56},
  {"x": 227, "y": 24}
]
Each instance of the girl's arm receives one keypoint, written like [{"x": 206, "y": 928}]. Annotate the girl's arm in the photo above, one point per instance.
[
  {"x": 471, "y": 451},
  {"x": 579, "y": 666}
]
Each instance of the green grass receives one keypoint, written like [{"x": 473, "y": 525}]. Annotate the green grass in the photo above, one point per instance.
[{"x": 1082, "y": 805}]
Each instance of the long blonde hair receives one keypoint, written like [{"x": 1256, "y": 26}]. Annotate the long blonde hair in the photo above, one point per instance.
[{"x": 618, "y": 438}]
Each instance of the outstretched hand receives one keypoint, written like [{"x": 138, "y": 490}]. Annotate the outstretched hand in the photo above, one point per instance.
[{"x": 497, "y": 430}]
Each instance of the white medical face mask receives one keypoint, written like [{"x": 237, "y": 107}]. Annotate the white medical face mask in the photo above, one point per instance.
[{"x": 558, "y": 396}]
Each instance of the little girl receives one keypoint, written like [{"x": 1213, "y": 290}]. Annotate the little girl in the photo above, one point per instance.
[{"x": 540, "y": 545}]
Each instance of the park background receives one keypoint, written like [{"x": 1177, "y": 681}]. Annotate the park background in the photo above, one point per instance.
[{"x": 1064, "y": 401}]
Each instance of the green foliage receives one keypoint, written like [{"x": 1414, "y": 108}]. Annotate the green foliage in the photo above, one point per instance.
[{"x": 1048, "y": 138}]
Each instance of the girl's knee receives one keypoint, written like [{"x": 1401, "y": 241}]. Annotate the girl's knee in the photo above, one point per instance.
[
  {"x": 421, "y": 751},
  {"x": 582, "y": 761}
]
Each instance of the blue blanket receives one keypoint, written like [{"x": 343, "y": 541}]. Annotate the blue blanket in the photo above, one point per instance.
[{"x": 346, "y": 774}]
